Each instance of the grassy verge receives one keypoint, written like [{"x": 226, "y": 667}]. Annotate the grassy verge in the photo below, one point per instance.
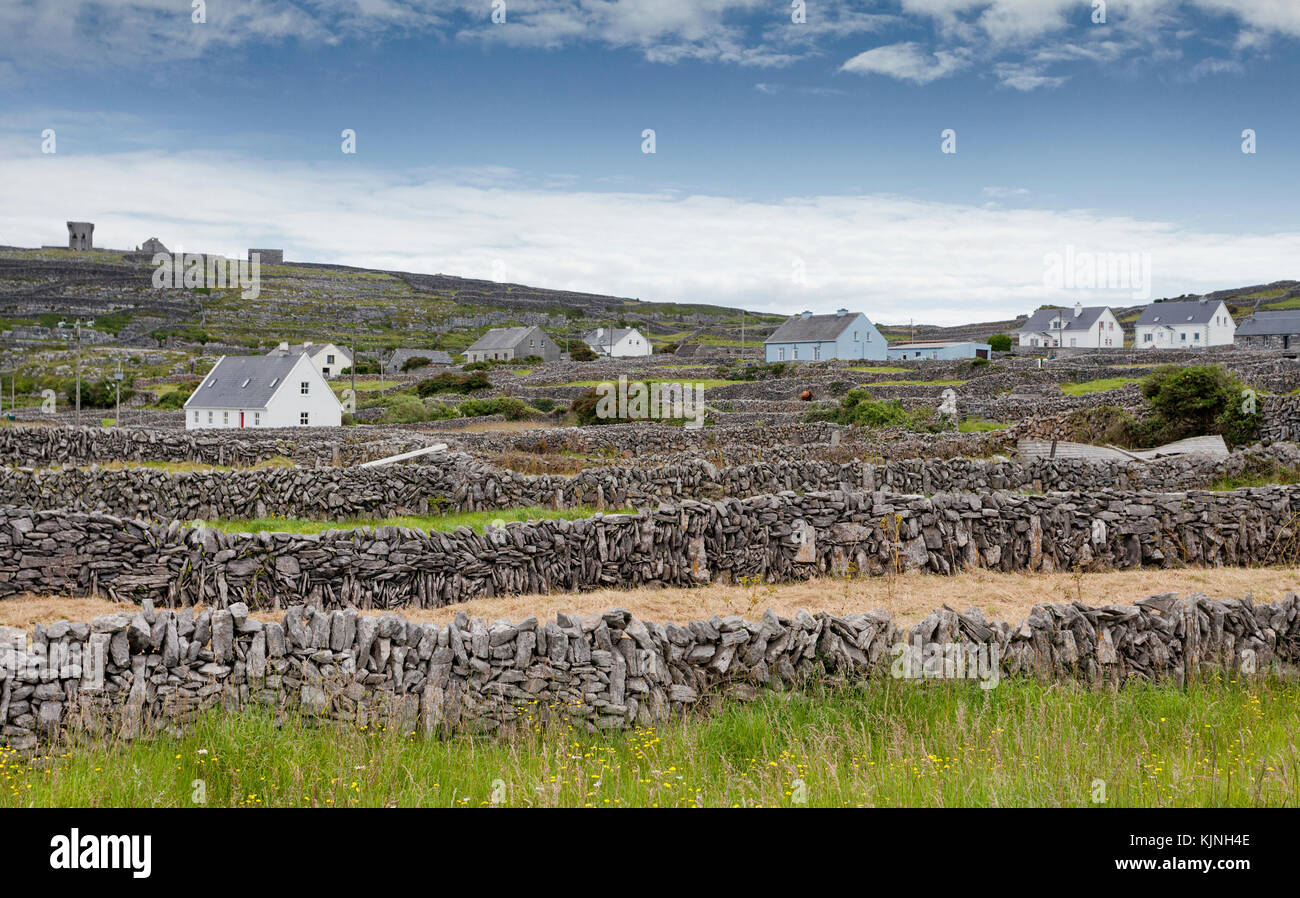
[
  {"x": 980, "y": 425},
  {"x": 1097, "y": 386},
  {"x": 476, "y": 520},
  {"x": 891, "y": 743},
  {"x": 1277, "y": 475}
]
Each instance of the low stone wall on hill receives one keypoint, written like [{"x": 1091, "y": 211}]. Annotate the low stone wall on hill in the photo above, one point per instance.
[
  {"x": 779, "y": 537},
  {"x": 458, "y": 482},
  {"x": 126, "y": 675}
]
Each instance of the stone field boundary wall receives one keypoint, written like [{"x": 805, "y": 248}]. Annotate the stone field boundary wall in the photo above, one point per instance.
[
  {"x": 458, "y": 482},
  {"x": 126, "y": 675},
  {"x": 781, "y": 538}
]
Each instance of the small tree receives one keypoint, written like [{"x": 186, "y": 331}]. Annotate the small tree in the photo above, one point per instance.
[{"x": 1000, "y": 342}]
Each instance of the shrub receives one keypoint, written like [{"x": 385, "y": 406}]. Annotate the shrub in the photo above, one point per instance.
[
  {"x": 1200, "y": 399},
  {"x": 584, "y": 409},
  {"x": 405, "y": 410},
  {"x": 451, "y": 382},
  {"x": 416, "y": 361},
  {"x": 513, "y": 409},
  {"x": 858, "y": 408},
  {"x": 544, "y": 404},
  {"x": 100, "y": 394},
  {"x": 579, "y": 351},
  {"x": 1000, "y": 342}
]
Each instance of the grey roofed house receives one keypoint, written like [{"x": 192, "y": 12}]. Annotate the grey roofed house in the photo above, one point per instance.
[
  {"x": 1170, "y": 313},
  {"x": 399, "y": 356},
  {"x": 1040, "y": 322},
  {"x": 513, "y": 343},
  {"x": 602, "y": 338},
  {"x": 1267, "y": 324},
  {"x": 244, "y": 381},
  {"x": 811, "y": 329}
]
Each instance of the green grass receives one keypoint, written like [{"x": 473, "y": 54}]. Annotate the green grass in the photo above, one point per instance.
[
  {"x": 476, "y": 520},
  {"x": 980, "y": 425},
  {"x": 889, "y": 743},
  {"x": 881, "y": 369},
  {"x": 1278, "y": 475},
  {"x": 1097, "y": 386},
  {"x": 364, "y": 385}
]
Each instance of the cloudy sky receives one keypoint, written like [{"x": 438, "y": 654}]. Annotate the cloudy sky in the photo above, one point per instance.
[{"x": 798, "y": 147}]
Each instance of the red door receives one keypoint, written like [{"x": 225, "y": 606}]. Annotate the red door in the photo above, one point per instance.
[{"x": 241, "y": 419}]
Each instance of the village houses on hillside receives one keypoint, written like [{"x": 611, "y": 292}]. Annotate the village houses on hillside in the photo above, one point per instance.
[
  {"x": 1087, "y": 327},
  {"x": 1192, "y": 324},
  {"x": 513, "y": 343},
  {"x": 283, "y": 389},
  {"x": 810, "y": 338}
]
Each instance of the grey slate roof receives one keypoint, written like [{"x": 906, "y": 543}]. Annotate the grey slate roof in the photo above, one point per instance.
[
  {"x": 1175, "y": 313},
  {"x": 603, "y": 341},
  {"x": 1041, "y": 321},
  {"x": 813, "y": 329},
  {"x": 435, "y": 357},
  {"x": 1263, "y": 324},
  {"x": 225, "y": 386},
  {"x": 499, "y": 338}
]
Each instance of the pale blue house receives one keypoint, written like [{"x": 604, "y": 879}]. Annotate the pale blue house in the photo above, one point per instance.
[{"x": 817, "y": 338}]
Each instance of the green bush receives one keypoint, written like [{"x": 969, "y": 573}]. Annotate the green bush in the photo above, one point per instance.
[
  {"x": 416, "y": 361},
  {"x": 584, "y": 409},
  {"x": 858, "y": 408},
  {"x": 1000, "y": 342},
  {"x": 451, "y": 382},
  {"x": 579, "y": 351},
  {"x": 100, "y": 394},
  {"x": 513, "y": 409},
  {"x": 1200, "y": 399}
]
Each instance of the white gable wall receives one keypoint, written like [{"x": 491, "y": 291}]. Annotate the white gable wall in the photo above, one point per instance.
[{"x": 284, "y": 409}]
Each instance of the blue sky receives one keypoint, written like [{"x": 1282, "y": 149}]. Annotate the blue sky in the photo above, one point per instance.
[{"x": 515, "y": 150}]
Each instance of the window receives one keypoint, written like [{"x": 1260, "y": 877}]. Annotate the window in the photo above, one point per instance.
[
  {"x": 305, "y": 387},
  {"x": 209, "y": 417},
  {"x": 325, "y": 372},
  {"x": 225, "y": 417},
  {"x": 257, "y": 419},
  {"x": 1196, "y": 336},
  {"x": 817, "y": 353},
  {"x": 302, "y": 419},
  {"x": 794, "y": 353},
  {"x": 196, "y": 417},
  {"x": 780, "y": 354},
  {"x": 855, "y": 336},
  {"x": 1183, "y": 337},
  {"x": 329, "y": 359},
  {"x": 1146, "y": 338}
]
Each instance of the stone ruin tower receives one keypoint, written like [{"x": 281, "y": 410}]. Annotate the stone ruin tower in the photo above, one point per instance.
[{"x": 81, "y": 235}]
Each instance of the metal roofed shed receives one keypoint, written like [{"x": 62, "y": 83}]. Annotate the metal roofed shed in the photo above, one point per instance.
[{"x": 1208, "y": 446}]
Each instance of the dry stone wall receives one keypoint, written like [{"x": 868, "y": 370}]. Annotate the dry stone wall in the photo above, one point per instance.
[
  {"x": 779, "y": 537},
  {"x": 126, "y": 675}
]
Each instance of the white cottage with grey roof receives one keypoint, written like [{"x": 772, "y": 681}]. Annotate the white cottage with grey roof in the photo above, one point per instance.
[
  {"x": 1191, "y": 324},
  {"x": 1083, "y": 327},
  {"x": 618, "y": 342},
  {"x": 506, "y": 343},
  {"x": 284, "y": 389}
]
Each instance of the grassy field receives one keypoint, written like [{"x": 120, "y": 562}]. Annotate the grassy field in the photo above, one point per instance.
[
  {"x": 980, "y": 425},
  {"x": 1097, "y": 386},
  {"x": 476, "y": 520},
  {"x": 887, "y": 743}
]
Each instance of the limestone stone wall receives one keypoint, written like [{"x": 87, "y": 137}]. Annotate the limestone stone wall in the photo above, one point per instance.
[
  {"x": 126, "y": 675},
  {"x": 780, "y": 537}
]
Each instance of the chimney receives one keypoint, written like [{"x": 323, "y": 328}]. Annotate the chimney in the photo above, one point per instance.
[
  {"x": 805, "y": 314},
  {"x": 284, "y": 346},
  {"x": 840, "y": 313},
  {"x": 1078, "y": 309}
]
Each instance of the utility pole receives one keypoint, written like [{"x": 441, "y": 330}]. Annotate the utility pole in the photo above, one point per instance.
[
  {"x": 355, "y": 359},
  {"x": 77, "y": 327},
  {"x": 117, "y": 377},
  {"x": 742, "y": 335}
]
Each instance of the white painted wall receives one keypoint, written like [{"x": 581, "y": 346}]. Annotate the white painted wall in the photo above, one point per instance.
[
  {"x": 1221, "y": 331},
  {"x": 283, "y": 410}
]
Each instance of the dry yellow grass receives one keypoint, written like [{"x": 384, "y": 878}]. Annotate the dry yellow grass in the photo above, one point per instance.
[{"x": 909, "y": 597}]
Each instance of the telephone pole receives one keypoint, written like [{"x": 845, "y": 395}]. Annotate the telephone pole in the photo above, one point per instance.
[{"x": 77, "y": 325}]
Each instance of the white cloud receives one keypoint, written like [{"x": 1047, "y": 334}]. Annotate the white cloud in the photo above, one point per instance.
[
  {"x": 893, "y": 257},
  {"x": 906, "y": 62}
]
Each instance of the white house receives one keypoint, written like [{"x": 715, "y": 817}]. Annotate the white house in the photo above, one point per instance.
[
  {"x": 1184, "y": 325},
  {"x": 1087, "y": 327},
  {"x": 328, "y": 358},
  {"x": 618, "y": 342},
  {"x": 283, "y": 389}
]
